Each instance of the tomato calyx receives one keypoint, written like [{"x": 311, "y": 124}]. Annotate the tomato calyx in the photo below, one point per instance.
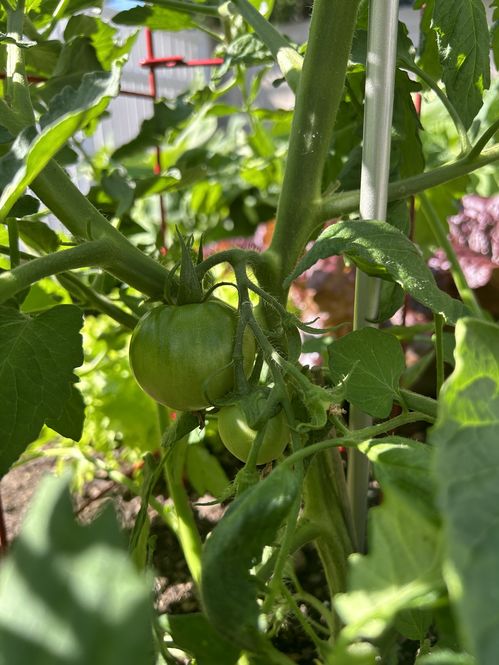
[{"x": 188, "y": 287}]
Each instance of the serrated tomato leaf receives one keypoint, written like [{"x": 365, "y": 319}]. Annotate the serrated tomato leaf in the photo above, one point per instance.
[
  {"x": 379, "y": 249},
  {"x": 39, "y": 355},
  {"x": 466, "y": 438},
  {"x": 70, "y": 110},
  {"x": 70, "y": 595},
  {"x": 463, "y": 45},
  {"x": 372, "y": 363}
]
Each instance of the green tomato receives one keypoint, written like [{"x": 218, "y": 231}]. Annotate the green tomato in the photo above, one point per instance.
[
  {"x": 181, "y": 355},
  {"x": 237, "y": 436}
]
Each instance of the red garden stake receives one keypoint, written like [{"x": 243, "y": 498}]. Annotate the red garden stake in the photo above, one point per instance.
[
  {"x": 152, "y": 62},
  {"x": 153, "y": 90}
]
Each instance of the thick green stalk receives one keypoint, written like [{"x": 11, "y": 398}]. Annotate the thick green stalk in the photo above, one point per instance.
[
  {"x": 326, "y": 507},
  {"x": 81, "y": 290},
  {"x": 317, "y": 101},
  {"x": 417, "y": 402},
  {"x": 93, "y": 253},
  {"x": 187, "y": 531},
  {"x": 71, "y": 207},
  {"x": 352, "y": 439},
  {"x": 15, "y": 257},
  {"x": 342, "y": 203},
  {"x": 437, "y": 227},
  {"x": 55, "y": 189}
]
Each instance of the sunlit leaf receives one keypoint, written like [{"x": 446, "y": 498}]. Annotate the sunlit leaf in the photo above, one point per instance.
[
  {"x": 39, "y": 355},
  {"x": 32, "y": 151},
  {"x": 463, "y": 40},
  {"x": 382, "y": 250},
  {"x": 466, "y": 438}
]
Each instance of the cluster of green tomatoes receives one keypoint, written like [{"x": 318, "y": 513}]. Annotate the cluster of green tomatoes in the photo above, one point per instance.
[{"x": 182, "y": 356}]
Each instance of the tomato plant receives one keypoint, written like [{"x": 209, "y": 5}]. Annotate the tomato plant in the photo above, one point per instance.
[
  {"x": 181, "y": 355},
  {"x": 237, "y": 436},
  {"x": 350, "y": 174}
]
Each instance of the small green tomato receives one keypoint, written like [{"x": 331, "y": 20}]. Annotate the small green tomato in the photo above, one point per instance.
[{"x": 237, "y": 436}]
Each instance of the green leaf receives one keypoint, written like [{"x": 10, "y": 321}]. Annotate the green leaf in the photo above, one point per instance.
[
  {"x": 403, "y": 467},
  {"x": 194, "y": 634},
  {"x": 407, "y": 148},
  {"x": 429, "y": 58},
  {"x": 26, "y": 205},
  {"x": 70, "y": 422},
  {"x": 103, "y": 37},
  {"x": 69, "y": 595},
  {"x": 391, "y": 299},
  {"x": 43, "y": 58},
  {"x": 372, "y": 363},
  {"x": 167, "y": 116},
  {"x": 401, "y": 571},
  {"x": 38, "y": 235},
  {"x": 228, "y": 589},
  {"x": 38, "y": 357},
  {"x": 378, "y": 248},
  {"x": 466, "y": 438},
  {"x": 70, "y": 110},
  {"x": 38, "y": 299},
  {"x": 78, "y": 56},
  {"x": 120, "y": 189},
  {"x": 155, "y": 18},
  {"x": 463, "y": 41},
  {"x": 46, "y": 9},
  {"x": 205, "y": 472},
  {"x": 247, "y": 50}
]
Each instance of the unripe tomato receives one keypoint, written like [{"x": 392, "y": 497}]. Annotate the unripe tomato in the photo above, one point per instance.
[
  {"x": 181, "y": 354},
  {"x": 237, "y": 436}
]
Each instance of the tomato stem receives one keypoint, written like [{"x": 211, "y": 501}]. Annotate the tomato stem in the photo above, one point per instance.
[
  {"x": 317, "y": 101},
  {"x": 96, "y": 253},
  {"x": 187, "y": 531}
]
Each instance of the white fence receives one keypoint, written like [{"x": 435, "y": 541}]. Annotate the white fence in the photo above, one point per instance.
[{"x": 126, "y": 113}]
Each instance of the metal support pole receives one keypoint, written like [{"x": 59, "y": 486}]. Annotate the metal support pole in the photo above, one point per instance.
[{"x": 380, "y": 81}]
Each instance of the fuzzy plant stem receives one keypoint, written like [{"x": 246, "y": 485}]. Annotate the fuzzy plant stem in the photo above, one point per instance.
[
  {"x": 187, "y": 531},
  {"x": 318, "y": 98},
  {"x": 55, "y": 189},
  {"x": 438, "y": 230},
  {"x": 89, "y": 254},
  {"x": 380, "y": 80}
]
